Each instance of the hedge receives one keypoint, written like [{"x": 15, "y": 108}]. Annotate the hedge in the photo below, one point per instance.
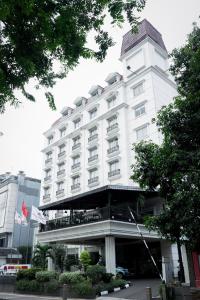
[
  {"x": 45, "y": 276},
  {"x": 28, "y": 274},
  {"x": 95, "y": 273},
  {"x": 71, "y": 277}
]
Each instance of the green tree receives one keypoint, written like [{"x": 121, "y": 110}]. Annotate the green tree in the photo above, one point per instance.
[
  {"x": 173, "y": 168},
  {"x": 40, "y": 255},
  {"x": 85, "y": 259},
  {"x": 58, "y": 253},
  {"x": 35, "y": 34}
]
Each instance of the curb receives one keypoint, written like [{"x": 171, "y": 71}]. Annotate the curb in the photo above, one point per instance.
[{"x": 117, "y": 289}]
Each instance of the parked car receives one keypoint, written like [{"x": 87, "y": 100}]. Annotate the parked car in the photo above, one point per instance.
[{"x": 122, "y": 272}]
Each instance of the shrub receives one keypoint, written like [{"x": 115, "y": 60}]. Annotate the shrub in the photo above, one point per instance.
[
  {"x": 85, "y": 259},
  {"x": 107, "y": 277},
  {"x": 83, "y": 289},
  {"x": 28, "y": 285},
  {"x": 118, "y": 283},
  {"x": 28, "y": 274},
  {"x": 51, "y": 286},
  {"x": 110, "y": 286},
  {"x": 95, "y": 273},
  {"x": 71, "y": 277},
  {"x": 45, "y": 276}
]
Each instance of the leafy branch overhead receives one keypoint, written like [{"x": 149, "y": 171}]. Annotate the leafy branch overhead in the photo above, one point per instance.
[{"x": 35, "y": 34}]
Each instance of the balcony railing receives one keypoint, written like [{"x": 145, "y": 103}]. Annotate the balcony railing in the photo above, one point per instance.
[
  {"x": 93, "y": 180},
  {"x": 113, "y": 149},
  {"x": 75, "y": 186},
  {"x": 61, "y": 154},
  {"x": 48, "y": 160},
  {"x": 47, "y": 178},
  {"x": 59, "y": 192},
  {"x": 93, "y": 137},
  {"x": 91, "y": 216},
  {"x": 114, "y": 173},
  {"x": 76, "y": 165},
  {"x": 61, "y": 172},
  {"x": 112, "y": 127},
  {"x": 76, "y": 146},
  {"x": 92, "y": 158}
]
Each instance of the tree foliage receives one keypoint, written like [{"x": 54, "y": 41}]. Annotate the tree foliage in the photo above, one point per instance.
[
  {"x": 173, "y": 168},
  {"x": 58, "y": 253},
  {"x": 40, "y": 256},
  {"x": 35, "y": 34}
]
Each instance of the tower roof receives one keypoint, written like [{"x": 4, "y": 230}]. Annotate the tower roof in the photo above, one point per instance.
[{"x": 145, "y": 29}]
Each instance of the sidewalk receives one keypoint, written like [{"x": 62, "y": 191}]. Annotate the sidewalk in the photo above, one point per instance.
[{"x": 11, "y": 296}]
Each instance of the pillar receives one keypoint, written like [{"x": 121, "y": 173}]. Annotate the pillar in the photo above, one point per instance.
[
  {"x": 50, "y": 264},
  {"x": 110, "y": 254},
  {"x": 167, "y": 263},
  {"x": 185, "y": 264}
]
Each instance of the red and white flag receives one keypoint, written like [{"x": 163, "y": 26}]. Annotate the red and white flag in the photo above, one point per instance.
[{"x": 25, "y": 211}]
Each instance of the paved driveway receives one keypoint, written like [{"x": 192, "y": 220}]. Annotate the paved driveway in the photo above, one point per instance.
[{"x": 137, "y": 290}]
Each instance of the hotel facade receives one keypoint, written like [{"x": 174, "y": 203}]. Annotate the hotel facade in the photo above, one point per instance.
[{"x": 86, "y": 191}]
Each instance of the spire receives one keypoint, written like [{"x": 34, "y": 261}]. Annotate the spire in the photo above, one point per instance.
[{"x": 145, "y": 29}]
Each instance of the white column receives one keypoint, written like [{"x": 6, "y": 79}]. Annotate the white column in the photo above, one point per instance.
[
  {"x": 110, "y": 254},
  {"x": 185, "y": 264},
  {"x": 50, "y": 264},
  {"x": 167, "y": 264}
]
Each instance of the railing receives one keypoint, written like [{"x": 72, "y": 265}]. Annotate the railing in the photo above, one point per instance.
[
  {"x": 48, "y": 160},
  {"x": 47, "y": 178},
  {"x": 77, "y": 165},
  {"x": 59, "y": 192},
  {"x": 76, "y": 146},
  {"x": 61, "y": 172},
  {"x": 90, "y": 216},
  {"x": 93, "y": 137},
  {"x": 113, "y": 126},
  {"x": 93, "y": 180},
  {"x": 61, "y": 154},
  {"x": 75, "y": 186},
  {"x": 113, "y": 149},
  {"x": 114, "y": 173},
  {"x": 92, "y": 158}
]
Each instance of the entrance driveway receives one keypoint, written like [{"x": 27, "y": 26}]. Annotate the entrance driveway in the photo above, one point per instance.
[{"x": 137, "y": 290}]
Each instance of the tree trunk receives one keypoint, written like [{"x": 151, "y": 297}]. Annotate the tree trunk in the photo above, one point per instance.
[{"x": 181, "y": 268}]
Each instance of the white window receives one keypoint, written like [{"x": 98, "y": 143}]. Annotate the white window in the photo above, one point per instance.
[
  {"x": 76, "y": 180},
  {"x": 93, "y": 131},
  {"x": 113, "y": 142},
  {"x": 140, "y": 110},
  {"x": 76, "y": 159},
  {"x": 61, "y": 148},
  {"x": 114, "y": 165},
  {"x": 93, "y": 113},
  {"x": 48, "y": 173},
  {"x": 111, "y": 101},
  {"x": 46, "y": 191},
  {"x": 93, "y": 173},
  {"x": 61, "y": 167},
  {"x": 60, "y": 185},
  {"x": 76, "y": 140},
  {"x": 50, "y": 139},
  {"x": 138, "y": 89},
  {"x": 77, "y": 123},
  {"x": 142, "y": 133},
  {"x": 93, "y": 152},
  {"x": 62, "y": 131},
  {"x": 112, "y": 120},
  {"x": 49, "y": 155}
]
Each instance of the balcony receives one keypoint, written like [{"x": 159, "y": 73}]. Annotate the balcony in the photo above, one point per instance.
[
  {"x": 75, "y": 186},
  {"x": 59, "y": 192},
  {"x": 91, "y": 216},
  {"x": 48, "y": 160},
  {"x": 61, "y": 172},
  {"x": 93, "y": 180},
  {"x": 61, "y": 154},
  {"x": 47, "y": 178},
  {"x": 76, "y": 146},
  {"x": 112, "y": 127},
  {"x": 93, "y": 158},
  {"x": 113, "y": 149},
  {"x": 46, "y": 198},
  {"x": 76, "y": 165},
  {"x": 113, "y": 173},
  {"x": 93, "y": 137}
]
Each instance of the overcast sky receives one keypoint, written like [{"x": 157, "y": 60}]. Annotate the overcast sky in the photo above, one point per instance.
[{"x": 22, "y": 140}]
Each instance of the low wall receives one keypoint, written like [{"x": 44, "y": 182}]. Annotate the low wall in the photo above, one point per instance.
[{"x": 7, "y": 284}]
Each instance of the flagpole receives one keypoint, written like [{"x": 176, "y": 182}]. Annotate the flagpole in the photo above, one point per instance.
[
  {"x": 13, "y": 238},
  {"x": 28, "y": 242}
]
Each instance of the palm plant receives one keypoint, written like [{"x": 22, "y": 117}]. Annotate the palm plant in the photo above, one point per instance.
[{"x": 40, "y": 255}]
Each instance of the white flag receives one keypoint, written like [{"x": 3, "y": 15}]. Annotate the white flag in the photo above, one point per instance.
[
  {"x": 18, "y": 218},
  {"x": 37, "y": 215},
  {"x": 24, "y": 220}
]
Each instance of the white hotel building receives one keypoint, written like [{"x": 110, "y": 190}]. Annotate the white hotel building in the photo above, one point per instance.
[{"x": 88, "y": 157}]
